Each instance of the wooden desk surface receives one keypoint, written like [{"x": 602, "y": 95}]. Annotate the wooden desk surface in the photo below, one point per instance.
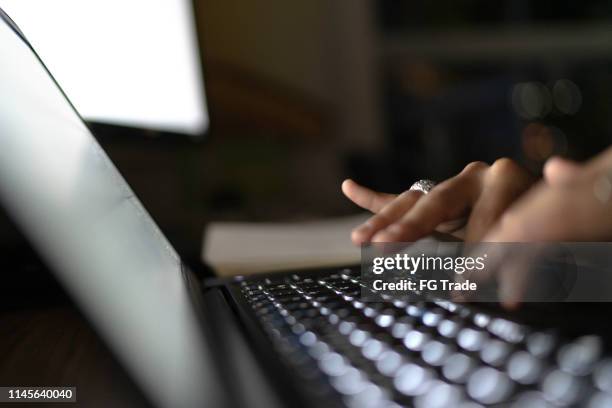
[{"x": 54, "y": 346}]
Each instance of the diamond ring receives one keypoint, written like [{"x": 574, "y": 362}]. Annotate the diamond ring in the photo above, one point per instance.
[{"x": 423, "y": 186}]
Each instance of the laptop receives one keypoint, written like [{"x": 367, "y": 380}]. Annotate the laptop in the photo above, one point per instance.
[{"x": 301, "y": 338}]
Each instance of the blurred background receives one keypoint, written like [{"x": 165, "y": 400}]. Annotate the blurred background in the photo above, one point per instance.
[{"x": 303, "y": 94}]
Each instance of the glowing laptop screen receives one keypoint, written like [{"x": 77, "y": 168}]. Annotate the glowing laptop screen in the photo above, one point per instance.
[{"x": 126, "y": 62}]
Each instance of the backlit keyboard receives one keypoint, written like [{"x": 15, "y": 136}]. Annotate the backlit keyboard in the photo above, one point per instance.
[{"x": 420, "y": 352}]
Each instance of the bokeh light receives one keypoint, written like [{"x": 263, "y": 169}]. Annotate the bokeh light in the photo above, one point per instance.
[
  {"x": 540, "y": 142},
  {"x": 531, "y": 100},
  {"x": 567, "y": 96}
]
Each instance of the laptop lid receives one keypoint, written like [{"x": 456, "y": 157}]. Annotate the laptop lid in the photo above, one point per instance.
[{"x": 71, "y": 202}]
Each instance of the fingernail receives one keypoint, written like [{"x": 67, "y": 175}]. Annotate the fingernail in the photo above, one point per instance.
[
  {"x": 384, "y": 236},
  {"x": 380, "y": 237},
  {"x": 361, "y": 233},
  {"x": 388, "y": 234}
]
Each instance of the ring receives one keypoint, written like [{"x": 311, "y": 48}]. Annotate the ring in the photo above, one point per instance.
[{"x": 423, "y": 186}]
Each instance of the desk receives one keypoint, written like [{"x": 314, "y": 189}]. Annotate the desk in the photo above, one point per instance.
[{"x": 53, "y": 346}]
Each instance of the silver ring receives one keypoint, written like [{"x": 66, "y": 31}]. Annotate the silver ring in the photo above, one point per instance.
[{"x": 423, "y": 186}]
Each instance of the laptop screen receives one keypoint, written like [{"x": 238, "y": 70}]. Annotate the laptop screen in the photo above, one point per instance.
[
  {"x": 68, "y": 198},
  {"x": 132, "y": 63}
]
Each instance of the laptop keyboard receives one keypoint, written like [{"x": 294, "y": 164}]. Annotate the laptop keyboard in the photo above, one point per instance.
[{"x": 420, "y": 352}]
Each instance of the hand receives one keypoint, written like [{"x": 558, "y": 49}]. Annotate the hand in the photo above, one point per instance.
[
  {"x": 466, "y": 205},
  {"x": 573, "y": 203}
]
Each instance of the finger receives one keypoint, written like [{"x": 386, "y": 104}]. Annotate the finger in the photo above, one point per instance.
[
  {"x": 601, "y": 162},
  {"x": 537, "y": 273},
  {"x": 496, "y": 255},
  {"x": 364, "y": 197},
  {"x": 509, "y": 267},
  {"x": 503, "y": 183},
  {"x": 513, "y": 278},
  {"x": 456, "y": 226},
  {"x": 503, "y": 279},
  {"x": 447, "y": 201},
  {"x": 555, "y": 214},
  {"x": 389, "y": 214},
  {"x": 535, "y": 217},
  {"x": 558, "y": 171}
]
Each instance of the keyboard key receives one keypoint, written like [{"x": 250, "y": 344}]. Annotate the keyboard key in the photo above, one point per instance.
[
  {"x": 507, "y": 330},
  {"x": 412, "y": 379},
  {"x": 603, "y": 375},
  {"x": 370, "y": 312},
  {"x": 385, "y": 319},
  {"x": 541, "y": 344},
  {"x": 458, "y": 367},
  {"x": 524, "y": 367},
  {"x": 471, "y": 339},
  {"x": 308, "y": 339},
  {"x": 298, "y": 328},
  {"x": 495, "y": 352},
  {"x": 447, "y": 305},
  {"x": 333, "y": 318},
  {"x": 489, "y": 386},
  {"x": 561, "y": 388},
  {"x": 346, "y": 327},
  {"x": 350, "y": 382},
  {"x": 389, "y": 362},
  {"x": 415, "y": 340},
  {"x": 399, "y": 303},
  {"x": 600, "y": 400},
  {"x": 333, "y": 364},
  {"x": 435, "y": 353},
  {"x": 431, "y": 318},
  {"x": 449, "y": 328},
  {"x": 481, "y": 320},
  {"x": 372, "y": 349},
  {"x": 371, "y": 396},
  {"x": 401, "y": 327},
  {"x": 580, "y": 356},
  {"x": 358, "y": 304},
  {"x": 415, "y": 310},
  {"x": 440, "y": 395},
  {"x": 531, "y": 399},
  {"x": 318, "y": 350},
  {"x": 359, "y": 337}
]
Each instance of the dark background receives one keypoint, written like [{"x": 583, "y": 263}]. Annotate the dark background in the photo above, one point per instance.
[{"x": 303, "y": 94}]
